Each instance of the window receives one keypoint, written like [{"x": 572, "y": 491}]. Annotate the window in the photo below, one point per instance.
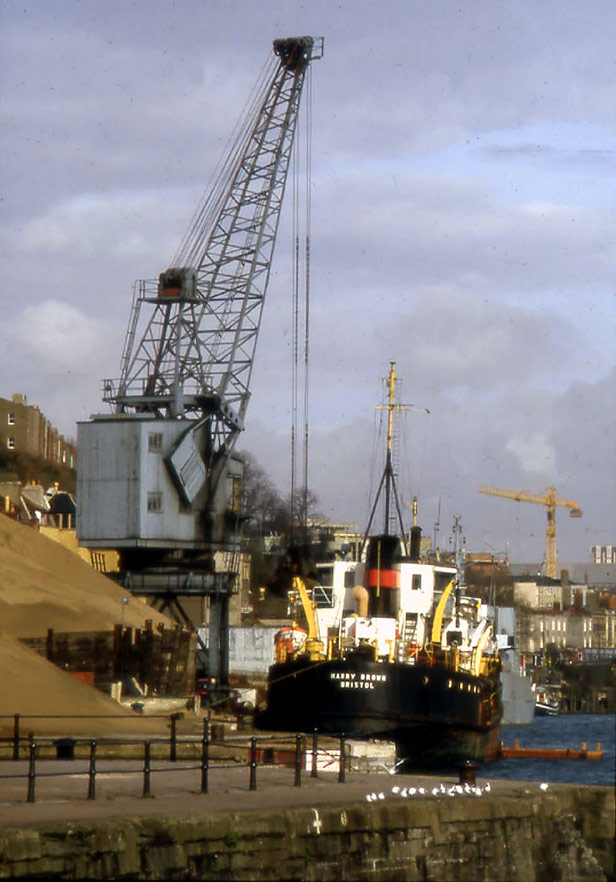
[
  {"x": 11, "y": 419},
  {"x": 235, "y": 503},
  {"x": 10, "y": 443},
  {"x": 155, "y": 442},
  {"x": 155, "y": 503},
  {"x": 416, "y": 582}
]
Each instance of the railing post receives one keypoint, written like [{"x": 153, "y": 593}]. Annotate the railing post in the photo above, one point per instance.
[
  {"x": 173, "y": 753},
  {"x": 16, "y": 719},
  {"x": 298, "y": 760},
  {"x": 205, "y": 756},
  {"x": 342, "y": 769},
  {"x": 32, "y": 773},
  {"x": 92, "y": 772},
  {"x": 315, "y": 753},
  {"x": 146, "y": 769},
  {"x": 253, "y": 764}
]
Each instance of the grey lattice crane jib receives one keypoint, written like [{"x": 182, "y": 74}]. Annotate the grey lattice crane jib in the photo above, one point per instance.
[
  {"x": 158, "y": 474},
  {"x": 194, "y": 356}
]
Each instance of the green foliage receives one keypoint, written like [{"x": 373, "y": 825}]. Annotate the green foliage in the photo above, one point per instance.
[
  {"x": 27, "y": 468},
  {"x": 267, "y": 511},
  {"x": 481, "y": 579}
]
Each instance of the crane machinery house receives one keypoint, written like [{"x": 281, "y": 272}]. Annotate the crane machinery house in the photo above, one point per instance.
[{"x": 158, "y": 471}]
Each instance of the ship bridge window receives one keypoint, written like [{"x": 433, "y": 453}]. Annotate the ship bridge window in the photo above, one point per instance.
[{"x": 323, "y": 596}]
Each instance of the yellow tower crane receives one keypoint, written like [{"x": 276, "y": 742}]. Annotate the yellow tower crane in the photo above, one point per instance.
[{"x": 551, "y": 500}]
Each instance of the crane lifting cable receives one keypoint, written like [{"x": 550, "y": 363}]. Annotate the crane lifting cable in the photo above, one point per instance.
[{"x": 300, "y": 371}]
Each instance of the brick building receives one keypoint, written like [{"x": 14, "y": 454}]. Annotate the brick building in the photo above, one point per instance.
[
  {"x": 569, "y": 630},
  {"x": 25, "y": 430}
]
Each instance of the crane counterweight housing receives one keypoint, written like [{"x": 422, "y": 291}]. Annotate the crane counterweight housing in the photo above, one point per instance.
[{"x": 158, "y": 470}]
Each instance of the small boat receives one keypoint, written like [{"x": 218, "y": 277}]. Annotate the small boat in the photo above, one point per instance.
[
  {"x": 395, "y": 650},
  {"x": 546, "y": 704}
]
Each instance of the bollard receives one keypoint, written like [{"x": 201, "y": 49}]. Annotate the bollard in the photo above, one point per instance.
[
  {"x": 146, "y": 769},
  {"x": 342, "y": 769},
  {"x": 315, "y": 753},
  {"x": 173, "y": 742},
  {"x": 32, "y": 773},
  {"x": 253, "y": 764},
  {"x": 298, "y": 760},
  {"x": 205, "y": 756},
  {"x": 467, "y": 772},
  {"x": 16, "y": 719},
  {"x": 92, "y": 772}
]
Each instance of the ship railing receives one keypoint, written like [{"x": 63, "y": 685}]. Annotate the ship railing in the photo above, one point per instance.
[{"x": 408, "y": 651}]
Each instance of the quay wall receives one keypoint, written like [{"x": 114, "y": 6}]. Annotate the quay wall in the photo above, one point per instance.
[{"x": 546, "y": 837}]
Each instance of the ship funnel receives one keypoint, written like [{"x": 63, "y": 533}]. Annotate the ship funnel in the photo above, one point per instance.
[
  {"x": 382, "y": 575},
  {"x": 415, "y": 543}
]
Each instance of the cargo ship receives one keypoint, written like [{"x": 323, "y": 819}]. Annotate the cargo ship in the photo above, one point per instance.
[{"x": 392, "y": 648}]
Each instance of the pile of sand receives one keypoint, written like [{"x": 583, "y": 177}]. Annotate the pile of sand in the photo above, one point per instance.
[
  {"x": 43, "y": 585},
  {"x": 32, "y": 686}
]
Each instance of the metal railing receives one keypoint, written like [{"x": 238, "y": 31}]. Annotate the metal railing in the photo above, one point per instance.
[
  {"x": 18, "y": 740},
  {"x": 261, "y": 751}
]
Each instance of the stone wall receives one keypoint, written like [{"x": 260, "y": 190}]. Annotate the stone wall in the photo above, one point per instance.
[{"x": 558, "y": 837}]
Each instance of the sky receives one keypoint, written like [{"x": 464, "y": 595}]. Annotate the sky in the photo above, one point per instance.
[{"x": 463, "y": 227}]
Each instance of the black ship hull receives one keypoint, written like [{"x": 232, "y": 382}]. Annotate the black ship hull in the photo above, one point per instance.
[{"x": 436, "y": 716}]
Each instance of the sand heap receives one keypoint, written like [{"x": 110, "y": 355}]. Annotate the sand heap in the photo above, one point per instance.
[
  {"x": 43, "y": 585},
  {"x": 32, "y": 686}
]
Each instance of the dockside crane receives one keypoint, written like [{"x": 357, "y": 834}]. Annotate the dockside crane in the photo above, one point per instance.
[
  {"x": 551, "y": 500},
  {"x": 157, "y": 477}
]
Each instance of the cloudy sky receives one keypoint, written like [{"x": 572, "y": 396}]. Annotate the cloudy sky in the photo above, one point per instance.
[{"x": 463, "y": 226}]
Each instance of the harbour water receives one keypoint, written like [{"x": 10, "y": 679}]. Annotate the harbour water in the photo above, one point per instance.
[{"x": 563, "y": 730}]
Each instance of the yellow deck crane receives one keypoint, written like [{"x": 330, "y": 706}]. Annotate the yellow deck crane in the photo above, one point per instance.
[{"x": 551, "y": 499}]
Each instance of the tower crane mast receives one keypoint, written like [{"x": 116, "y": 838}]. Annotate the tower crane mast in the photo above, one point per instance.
[
  {"x": 158, "y": 472},
  {"x": 551, "y": 500}
]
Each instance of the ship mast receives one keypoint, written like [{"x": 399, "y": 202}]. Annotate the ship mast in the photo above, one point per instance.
[{"x": 388, "y": 478}]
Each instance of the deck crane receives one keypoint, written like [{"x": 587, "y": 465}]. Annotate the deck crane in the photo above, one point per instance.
[
  {"x": 157, "y": 477},
  {"x": 552, "y": 500}
]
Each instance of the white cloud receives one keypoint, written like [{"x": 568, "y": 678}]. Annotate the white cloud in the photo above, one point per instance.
[
  {"x": 58, "y": 337},
  {"x": 535, "y": 455}
]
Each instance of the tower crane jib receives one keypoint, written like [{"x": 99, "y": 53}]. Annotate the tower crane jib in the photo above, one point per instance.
[{"x": 551, "y": 500}]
